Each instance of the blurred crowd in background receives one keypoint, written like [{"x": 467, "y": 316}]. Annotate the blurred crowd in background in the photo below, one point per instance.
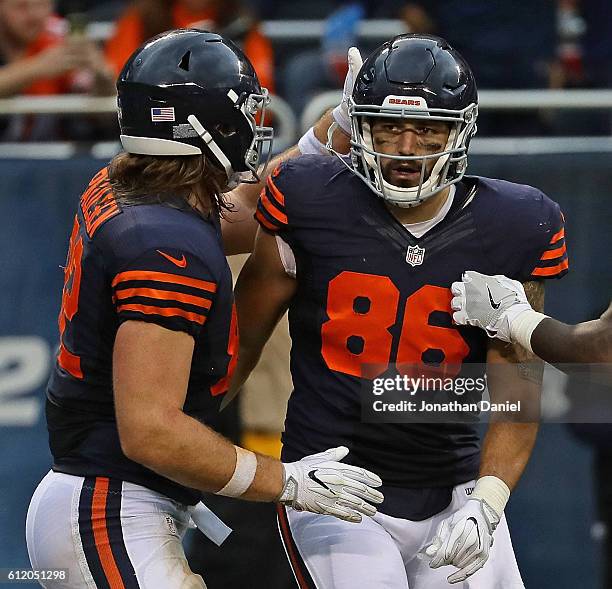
[{"x": 45, "y": 49}]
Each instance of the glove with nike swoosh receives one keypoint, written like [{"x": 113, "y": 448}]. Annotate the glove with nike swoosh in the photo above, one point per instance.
[
  {"x": 321, "y": 484},
  {"x": 489, "y": 302},
  {"x": 464, "y": 539}
]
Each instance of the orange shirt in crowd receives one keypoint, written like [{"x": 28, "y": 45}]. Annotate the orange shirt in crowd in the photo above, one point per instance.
[
  {"x": 129, "y": 35},
  {"x": 53, "y": 33}
]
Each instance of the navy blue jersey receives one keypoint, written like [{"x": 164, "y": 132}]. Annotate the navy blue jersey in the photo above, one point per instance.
[
  {"x": 159, "y": 263},
  {"x": 370, "y": 293}
]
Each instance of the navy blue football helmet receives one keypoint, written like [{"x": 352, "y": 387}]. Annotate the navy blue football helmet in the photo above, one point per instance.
[
  {"x": 416, "y": 77},
  {"x": 189, "y": 92}
]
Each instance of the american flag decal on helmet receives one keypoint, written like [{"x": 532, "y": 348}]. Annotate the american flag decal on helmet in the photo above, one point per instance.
[{"x": 164, "y": 114}]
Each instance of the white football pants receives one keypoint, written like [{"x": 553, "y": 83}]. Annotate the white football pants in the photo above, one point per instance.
[
  {"x": 383, "y": 552},
  {"x": 108, "y": 534}
]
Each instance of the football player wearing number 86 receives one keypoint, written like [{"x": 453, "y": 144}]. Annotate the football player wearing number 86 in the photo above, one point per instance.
[
  {"x": 363, "y": 250},
  {"x": 148, "y": 335}
]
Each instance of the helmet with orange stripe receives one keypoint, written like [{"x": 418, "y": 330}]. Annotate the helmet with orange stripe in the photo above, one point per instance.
[{"x": 189, "y": 92}]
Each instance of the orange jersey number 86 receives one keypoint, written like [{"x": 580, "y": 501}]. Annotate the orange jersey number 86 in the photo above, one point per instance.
[{"x": 372, "y": 326}]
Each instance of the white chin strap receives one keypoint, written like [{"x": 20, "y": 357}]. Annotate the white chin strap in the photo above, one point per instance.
[{"x": 232, "y": 177}]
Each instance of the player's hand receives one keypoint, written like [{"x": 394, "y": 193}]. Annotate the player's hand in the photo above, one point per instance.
[
  {"x": 321, "y": 484},
  {"x": 61, "y": 58},
  {"x": 464, "y": 539},
  {"x": 340, "y": 113},
  {"x": 488, "y": 302}
]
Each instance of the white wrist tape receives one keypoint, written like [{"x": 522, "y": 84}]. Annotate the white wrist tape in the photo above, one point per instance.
[
  {"x": 309, "y": 144},
  {"x": 523, "y": 325},
  {"x": 244, "y": 473},
  {"x": 492, "y": 490}
]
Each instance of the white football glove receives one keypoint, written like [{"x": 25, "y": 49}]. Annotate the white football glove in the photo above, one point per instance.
[
  {"x": 340, "y": 113},
  {"x": 489, "y": 302},
  {"x": 464, "y": 539},
  {"x": 321, "y": 484}
]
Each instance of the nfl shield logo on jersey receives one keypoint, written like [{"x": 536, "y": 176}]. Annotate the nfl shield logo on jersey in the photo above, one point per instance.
[{"x": 415, "y": 255}]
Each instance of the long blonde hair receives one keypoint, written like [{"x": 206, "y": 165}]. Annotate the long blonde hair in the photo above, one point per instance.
[{"x": 135, "y": 178}]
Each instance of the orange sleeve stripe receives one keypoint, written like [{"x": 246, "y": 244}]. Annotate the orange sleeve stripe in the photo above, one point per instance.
[
  {"x": 163, "y": 277},
  {"x": 556, "y": 253},
  {"x": 557, "y": 236},
  {"x": 276, "y": 193},
  {"x": 164, "y": 295},
  {"x": 272, "y": 210},
  {"x": 164, "y": 312},
  {"x": 100, "y": 534},
  {"x": 552, "y": 270},
  {"x": 265, "y": 222}
]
